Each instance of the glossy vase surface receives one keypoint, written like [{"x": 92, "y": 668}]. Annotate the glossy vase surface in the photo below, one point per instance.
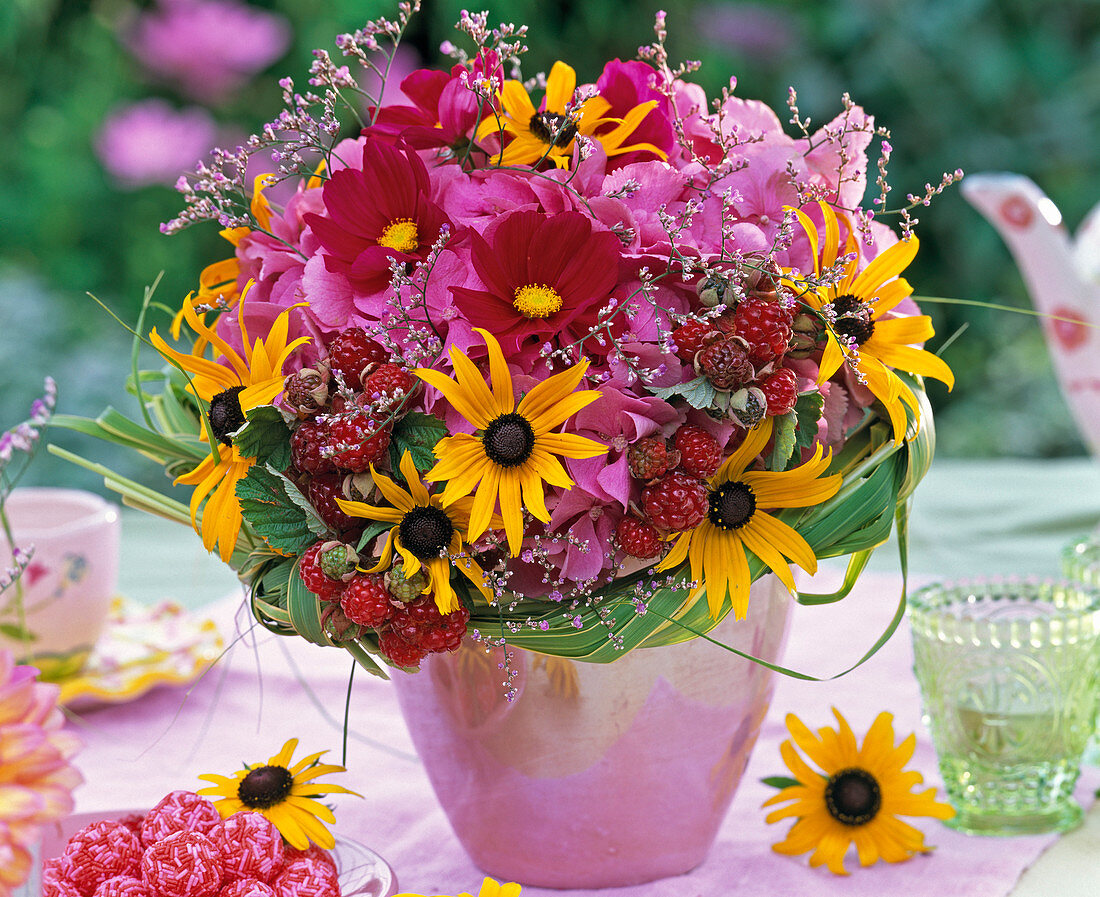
[{"x": 595, "y": 775}]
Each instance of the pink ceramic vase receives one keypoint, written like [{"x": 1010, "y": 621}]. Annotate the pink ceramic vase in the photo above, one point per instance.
[{"x": 596, "y": 775}]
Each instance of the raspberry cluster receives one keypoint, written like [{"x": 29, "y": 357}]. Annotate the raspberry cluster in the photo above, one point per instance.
[
  {"x": 674, "y": 492},
  {"x": 345, "y": 407},
  {"x": 744, "y": 348},
  {"x": 183, "y": 848},
  {"x": 407, "y": 622}
]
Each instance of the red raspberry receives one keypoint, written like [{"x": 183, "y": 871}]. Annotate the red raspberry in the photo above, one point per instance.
[
  {"x": 676, "y": 502},
  {"x": 366, "y": 600},
  {"x": 420, "y": 623},
  {"x": 649, "y": 458},
  {"x": 726, "y": 364},
  {"x": 323, "y": 491},
  {"x": 398, "y": 651},
  {"x": 360, "y": 440},
  {"x": 700, "y": 453},
  {"x": 637, "y": 538},
  {"x": 690, "y": 337},
  {"x": 307, "y": 444},
  {"x": 765, "y": 326},
  {"x": 316, "y": 580},
  {"x": 351, "y": 353},
  {"x": 781, "y": 391},
  {"x": 387, "y": 385}
]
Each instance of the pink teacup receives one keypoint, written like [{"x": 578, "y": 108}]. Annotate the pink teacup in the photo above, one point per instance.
[{"x": 53, "y": 616}]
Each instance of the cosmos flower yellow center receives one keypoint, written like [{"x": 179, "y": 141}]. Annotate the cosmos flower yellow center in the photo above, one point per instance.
[
  {"x": 400, "y": 235},
  {"x": 265, "y": 787},
  {"x": 853, "y": 319},
  {"x": 731, "y": 505},
  {"x": 537, "y": 301},
  {"x": 853, "y": 796},
  {"x": 553, "y": 129}
]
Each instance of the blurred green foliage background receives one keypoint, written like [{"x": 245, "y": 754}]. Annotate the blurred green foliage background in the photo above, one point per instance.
[{"x": 984, "y": 85}]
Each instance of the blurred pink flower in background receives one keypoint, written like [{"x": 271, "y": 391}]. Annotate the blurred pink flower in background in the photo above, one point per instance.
[
  {"x": 751, "y": 29},
  {"x": 36, "y": 777},
  {"x": 152, "y": 142},
  {"x": 207, "y": 49}
]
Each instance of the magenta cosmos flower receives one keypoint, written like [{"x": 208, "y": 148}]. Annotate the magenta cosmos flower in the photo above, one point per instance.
[
  {"x": 542, "y": 275},
  {"x": 381, "y": 212}
]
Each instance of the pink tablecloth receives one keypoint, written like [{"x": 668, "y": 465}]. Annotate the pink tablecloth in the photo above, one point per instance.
[{"x": 268, "y": 689}]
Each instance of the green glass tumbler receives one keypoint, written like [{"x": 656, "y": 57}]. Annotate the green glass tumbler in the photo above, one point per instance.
[{"x": 1009, "y": 672}]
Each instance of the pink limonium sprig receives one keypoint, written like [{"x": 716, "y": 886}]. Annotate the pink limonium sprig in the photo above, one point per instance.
[{"x": 22, "y": 439}]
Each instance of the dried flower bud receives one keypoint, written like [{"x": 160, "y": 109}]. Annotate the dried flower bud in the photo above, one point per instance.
[
  {"x": 307, "y": 390},
  {"x": 337, "y": 560},
  {"x": 711, "y": 290},
  {"x": 748, "y": 406}
]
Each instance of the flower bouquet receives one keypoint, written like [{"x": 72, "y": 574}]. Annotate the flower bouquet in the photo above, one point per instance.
[{"x": 559, "y": 368}]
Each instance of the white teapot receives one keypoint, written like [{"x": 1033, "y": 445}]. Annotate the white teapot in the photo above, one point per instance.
[{"x": 1063, "y": 277}]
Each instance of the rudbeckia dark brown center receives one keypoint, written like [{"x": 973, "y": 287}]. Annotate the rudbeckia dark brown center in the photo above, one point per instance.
[
  {"x": 425, "y": 531},
  {"x": 509, "y": 440},
  {"x": 853, "y": 796},
  {"x": 226, "y": 415},
  {"x": 731, "y": 505},
  {"x": 265, "y": 787},
  {"x": 853, "y": 319},
  {"x": 552, "y": 128}
]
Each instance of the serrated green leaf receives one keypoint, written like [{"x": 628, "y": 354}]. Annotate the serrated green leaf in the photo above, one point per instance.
[
  {"x": 271, "y": 512},
  {"x": 808, "y": 408},
  {"x": 698, "y": 393},
  {"x": 781, "y": 782},
  {"x": 783, "y": 434},
  {"x": 418, "y": 434},
  {"x": 265, "y": 437}
]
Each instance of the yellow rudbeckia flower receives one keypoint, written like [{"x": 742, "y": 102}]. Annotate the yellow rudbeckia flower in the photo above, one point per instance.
[
  {"x": 863, "y": 331},
  {"x": 856, "y": 798},
  {"x": 514, "y": 452}
]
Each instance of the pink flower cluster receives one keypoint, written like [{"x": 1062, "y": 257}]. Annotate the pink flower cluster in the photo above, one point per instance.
[{"x": 630, "y": 224}]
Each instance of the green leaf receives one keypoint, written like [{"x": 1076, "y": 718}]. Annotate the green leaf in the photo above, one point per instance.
[
  {"x": 374, "y": 529},
  {"x": 265, "y": 437},
  {"x": 808, "y": 408},
  {"x": 698, "y": 393},
  {"x": 783, "y": 434},
  {"x": 17, "y": 632},
  {"x": 418, "y": 434},
  {"x": 272, "y": 513},
  {"x": 781, "y": 782}
]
